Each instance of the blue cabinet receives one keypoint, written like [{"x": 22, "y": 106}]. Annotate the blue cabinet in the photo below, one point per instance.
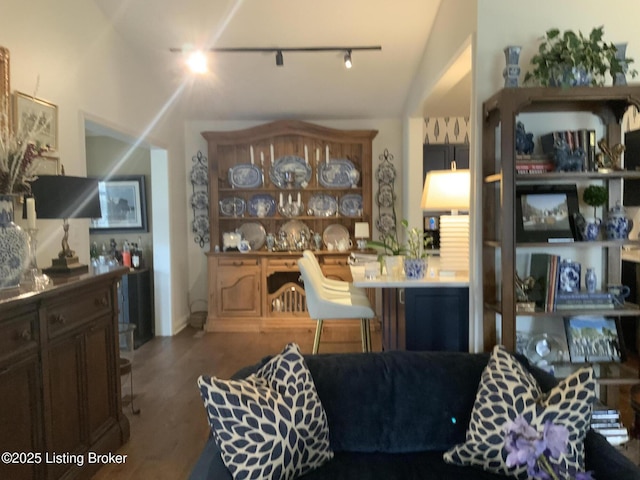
[{"x": 437, "y": 319}]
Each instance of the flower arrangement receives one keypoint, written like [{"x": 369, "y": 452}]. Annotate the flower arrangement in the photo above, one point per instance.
[
  {"x": 540, "y": 452},
  {"x": 390, "y": 244},
  {"x": 19, "y": 154}
]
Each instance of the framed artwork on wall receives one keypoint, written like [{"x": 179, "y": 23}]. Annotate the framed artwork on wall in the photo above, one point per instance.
[
  {"x": 123, "y": 205},
  {"x": 48, "y": 166},
  {"x": 544, "y": 213},
  {"x": 28, "y": 110}
]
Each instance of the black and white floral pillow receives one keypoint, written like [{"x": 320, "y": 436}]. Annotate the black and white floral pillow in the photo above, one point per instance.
[
  {"x": 507, "y": 390},
  {"x": 270, "y": 424}
]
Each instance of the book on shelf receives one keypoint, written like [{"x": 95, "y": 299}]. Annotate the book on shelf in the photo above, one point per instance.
[{"x": 544, "y": 269}]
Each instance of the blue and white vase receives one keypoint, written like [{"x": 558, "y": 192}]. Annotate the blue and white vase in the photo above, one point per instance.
[
  {"x": 618, "y": 225},
  {"x": 14, "y": 245},
  {"x": 511, "y": 71},
  {"x": 415, "y": 268},
  {"x": 591, "y": 230},
  {"x": 590, "y": 280}
]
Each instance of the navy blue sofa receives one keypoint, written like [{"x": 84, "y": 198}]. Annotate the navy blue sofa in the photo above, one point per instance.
[{"x": 391, "y": 416}]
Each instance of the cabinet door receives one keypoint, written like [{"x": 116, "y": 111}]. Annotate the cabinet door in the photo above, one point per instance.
[
  {"x": 139, "y": 305},
  {"x": 100, "y": 375},
  {"x": 65, "y": 400},
  {"x": 437, "y": 319},
  {"x": 440, "y": 156},
  {"x": 238, "y": 291},
  {"x": 21, "y": 417}
]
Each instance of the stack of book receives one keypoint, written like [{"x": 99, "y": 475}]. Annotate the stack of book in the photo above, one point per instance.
[
  {"x": 584, "y": 300},
  {"x": 532, "y": 164},
  {"x": 607, "y": 423},
  {"x": 584, "y": 139}
]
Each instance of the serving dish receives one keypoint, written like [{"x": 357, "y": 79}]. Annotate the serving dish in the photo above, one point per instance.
[
  {"x": 262, "y": 205},
  {"x": 290, "y": 171},
  {"x": 322, "y": 205},
  {"x": 338, "y": 173},
  {"x": 200, "y": 200},
  {"x": 245, "y": 175},
  {"x": 294, "y": 228},
  {"x": 351, "y": 205},
  {"x": 232, "y": 206},
  {"x": 254, "y": 233},
  {"x": 335, "y": 234}
]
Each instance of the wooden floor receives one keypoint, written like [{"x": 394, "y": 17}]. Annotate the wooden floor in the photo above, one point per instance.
[{"x": 171, "y": 430}]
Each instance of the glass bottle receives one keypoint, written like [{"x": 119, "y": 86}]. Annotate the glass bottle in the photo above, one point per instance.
[{"x": 590, "y": 280}]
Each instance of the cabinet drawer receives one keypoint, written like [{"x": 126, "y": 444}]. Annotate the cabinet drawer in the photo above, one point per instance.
[
  {"x": 18, "y": 334},
  {"x": 341, "y": 261},
  {"x": 283, "y": 264},
  {"x": 70, "y": 311},
  {"x": 237, "y": 262}
]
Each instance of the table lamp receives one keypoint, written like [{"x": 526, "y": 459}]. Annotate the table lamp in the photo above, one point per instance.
[
  {"x": 361, "y": 233},
  {"x": 64, "y": 197},
  {"x": 449, "y": 190}
]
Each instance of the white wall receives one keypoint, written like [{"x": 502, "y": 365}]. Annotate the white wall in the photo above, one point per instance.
[
  {"x": 70, "y": 51},
  {"x": 389, "y": 137}
]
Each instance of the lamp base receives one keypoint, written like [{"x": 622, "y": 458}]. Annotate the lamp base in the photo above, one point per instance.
[{"x": 65, "y": 266}]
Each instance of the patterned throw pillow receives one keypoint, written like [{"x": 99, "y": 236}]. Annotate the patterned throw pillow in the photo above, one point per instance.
[
  {"x": 508, "y": 390},
  {"x": 271, "y": 424}
]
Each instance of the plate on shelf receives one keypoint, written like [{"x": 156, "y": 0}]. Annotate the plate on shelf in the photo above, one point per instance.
[
  {"x": 245, "y": 175},
  {"x": 200, "y": 200},
  {"x": 334, "y": 234},
  {"x": 322, "y": 205},
  {"x": 232, "y": 206},
  {"x": 254, "y": 233},
  {"x": 351, "y": 205},
  {"x": 338, "y": 173},
  {"x": 262, "y": 205},
  {"x": 290, "y": 165},
  {"x": 199, "y": 175},
  {"x": 293, "y": 229}
]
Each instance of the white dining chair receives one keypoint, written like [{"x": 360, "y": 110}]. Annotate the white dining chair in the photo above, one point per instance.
[
  {"x": 323, "y": 304},
  {"x": 331, "y": 284}
]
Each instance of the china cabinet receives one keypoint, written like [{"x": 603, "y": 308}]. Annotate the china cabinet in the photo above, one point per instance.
[
  {"x": 500, "y": 181},
  {"x": 281, "y": 184}
]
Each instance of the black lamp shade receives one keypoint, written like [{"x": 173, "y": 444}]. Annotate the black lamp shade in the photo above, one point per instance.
[{"x": 61, "y": 196}]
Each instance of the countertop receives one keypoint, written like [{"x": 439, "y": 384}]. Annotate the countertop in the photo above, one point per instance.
[{"x": 429, "y": 281}]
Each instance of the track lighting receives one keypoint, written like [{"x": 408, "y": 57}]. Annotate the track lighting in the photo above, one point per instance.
[
  {"x": 347, "y": 59},
  {"x": 279, "y": 59}
]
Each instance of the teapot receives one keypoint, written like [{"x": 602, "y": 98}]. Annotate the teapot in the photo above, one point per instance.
[
  {"x": 344, "y": 244},
  {"x": 231, "y": 240},
  {"x": 618, "y": 225}
]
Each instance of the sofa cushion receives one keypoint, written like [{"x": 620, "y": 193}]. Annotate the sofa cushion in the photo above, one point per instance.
[
  {"x": 507, "y": 391},
  {"x": 271, "y": 424}
]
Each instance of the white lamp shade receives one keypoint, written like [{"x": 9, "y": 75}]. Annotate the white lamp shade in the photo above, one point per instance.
[
  {"x": 361, "y": 230},
  {"x": 446, "y": 190}
]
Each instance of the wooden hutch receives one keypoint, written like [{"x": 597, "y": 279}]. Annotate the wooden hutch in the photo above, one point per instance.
[{"x": 260, "y": 290}]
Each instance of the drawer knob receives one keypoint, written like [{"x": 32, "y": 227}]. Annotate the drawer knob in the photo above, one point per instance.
[
  {"x": 58, "y": 318},
  {"x": 238, "y": 264},
  {"x": 102, "y": 301},
  {"x": 26, "y": 335}
]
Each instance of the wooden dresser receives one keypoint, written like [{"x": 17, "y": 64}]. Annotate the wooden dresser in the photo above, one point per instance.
[
  {"x": 59, "y": 377},
  {"x": 259, "y": 290}
]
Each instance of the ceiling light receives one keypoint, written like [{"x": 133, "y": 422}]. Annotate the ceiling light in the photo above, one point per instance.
[
  {"x": 347, "y": 59},
  {"x": 197, "y": 62},
  {"x": 279, "y": 59}
]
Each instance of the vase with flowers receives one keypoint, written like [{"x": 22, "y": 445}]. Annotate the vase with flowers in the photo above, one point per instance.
[{"x": 19, "y": 158}]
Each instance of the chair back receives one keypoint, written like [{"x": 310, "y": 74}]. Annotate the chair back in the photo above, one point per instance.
[
  {"x": 312, "y": 287},
  {"x": 313, "y": 262}
]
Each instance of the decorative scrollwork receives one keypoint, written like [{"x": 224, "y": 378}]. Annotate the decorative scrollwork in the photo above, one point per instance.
[
  {"x": 200, "y": 190},
  {"x": 386, "y": 196}
]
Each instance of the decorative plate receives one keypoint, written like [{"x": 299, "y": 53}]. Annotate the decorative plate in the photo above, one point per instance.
[
  {"x": 293, "y": 229},
  {"x": 254, "y": 233},
  {"x": 199, "y": 174},
  {"x": 200, "y": 224},
  {"x": 335, "y": 233},
  {"x": 262, "y": 205},
  {"x": 385, "y": 196},
  {"x": 351, "y": 205},
  {"x": 322, "y": 205},
  {"x": 338, "y": 173},
  {"x": 386, "y": 173},
  {"x": 245, "y": 176},
  {"x": 232, "y": 206},
  {"x": 385, "y": 223},
  {"x": 293, "y": 166},
  {"x": 200, "y": 200}
]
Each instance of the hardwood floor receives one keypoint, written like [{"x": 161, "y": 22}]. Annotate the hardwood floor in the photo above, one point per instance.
[{"x": 171, "y": 430}]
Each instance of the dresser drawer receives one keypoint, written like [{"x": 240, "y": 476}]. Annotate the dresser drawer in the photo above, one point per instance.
[
  {"x": 18, "y": 335},
  {"x": 341, "y": 261},
  {"x": 237, "y": 262},
  {"x": 284, "y": 264},
  {"x": 69, "y": 311}
]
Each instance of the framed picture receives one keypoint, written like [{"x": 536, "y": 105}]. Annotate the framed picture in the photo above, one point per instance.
[
  {"x": 544, "y": 213},
  {"x": 594, "y": 339},
  {"x": 28, "y": 110},
  {"x": 123, "y": 205},
  {"x": 49, "y": 166}
]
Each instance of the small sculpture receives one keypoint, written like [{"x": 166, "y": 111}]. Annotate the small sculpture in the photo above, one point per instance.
[
  {"x": 567, "y": 160},
  {"x": 523, "y": 287},
  {"x": 524, "y": 140},
  {"x": 610, "y": 157}
]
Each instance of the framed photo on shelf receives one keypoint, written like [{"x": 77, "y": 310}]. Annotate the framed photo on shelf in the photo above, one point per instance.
[
  {"x": 594, "y": 339},
  {"x": 48, "y": 166},
  {"x": 544, "y": 213},
  {"x": 28, "y": 110},
  {"x": 123, "y": 205}
]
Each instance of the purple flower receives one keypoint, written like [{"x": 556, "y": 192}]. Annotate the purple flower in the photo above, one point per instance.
[
  {"x": 584, "y": 476},
  {"x": 520, "y": 442},
  {"x": 554, "y": 439}
]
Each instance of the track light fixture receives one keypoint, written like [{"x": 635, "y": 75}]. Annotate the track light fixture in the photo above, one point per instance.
[
  {"x": 278, "y": 51},
  {"x": 347, "y": 59}
]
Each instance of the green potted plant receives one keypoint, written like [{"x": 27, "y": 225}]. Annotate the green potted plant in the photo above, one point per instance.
[
  {"x": 569, "y": 59},
  {"x": 396, "y": 255},
  {"x": 594, "y": 196},
  {"x": 415, "y": 263}
]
